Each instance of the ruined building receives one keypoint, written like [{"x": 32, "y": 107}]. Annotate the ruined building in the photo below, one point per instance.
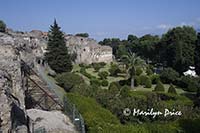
[
  {"x": 88, "y": 50},
  {"x": 15, "y": 48}
]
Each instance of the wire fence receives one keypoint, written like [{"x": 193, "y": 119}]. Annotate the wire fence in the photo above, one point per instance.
[
  {"x": 40, "y": 130},
  {"x": 71, "y": 111}
]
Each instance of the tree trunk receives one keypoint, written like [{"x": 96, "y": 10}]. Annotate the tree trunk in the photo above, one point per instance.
[{"x": 132, "y": 82}]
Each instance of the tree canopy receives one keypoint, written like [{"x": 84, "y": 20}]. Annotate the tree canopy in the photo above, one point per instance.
[{"x": 57, "y": 55}]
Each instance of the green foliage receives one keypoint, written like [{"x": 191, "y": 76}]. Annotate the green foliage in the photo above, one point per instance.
[
  {"x": 149, "y": 71},
  {"x": 69, "y": 80},
  {"x": 114, "y": 69},
  {"x": 57, "y": 53},
  {"x": 96, "y": 117},
  {"x": 83, "y": 71},
  {"x": 188, "y": 83},
  {"x": 159, "y": 87},
  {"x": 190, "y": 125},
  {"x": 148, "y": 83},
  {"x": 138, "y": 71},
  {"x": 172, "y": 89},
  {"x": 104, "y": 83},
  {"x": 177, "y": 48},
  {"x": 155, "y": 78},
  {"x": 95, "y": 81},
  {"x": 169, "y": 75},
  {"x": 97, "y": 66},
  {"x": 137, "y": 80},
  {"x": 125, "y": 91},
  {"x": 82, "y": 34},
  {"x": 197, "y": 55},
  {"x": 103, "y": 74},
  {"x": 143, "y": 79},
  {"x": 2, "y": 26}
]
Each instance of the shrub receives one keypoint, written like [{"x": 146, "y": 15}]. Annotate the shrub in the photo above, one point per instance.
[
  {"x": 172, "y": 89},
  {"x": 95, "y": 81},
  {"x": 104, "y": 83},
  {"x": 169, "y": 75},
  {"x": 125, "y": 91},
  {"x": 188, "y": 83},
  {"x": 69, "y": 80},
  {"x": 84, "y": 65},
  {"x": 137, "y": 80},
  {"x": 2, "y": 26},
  {"x": 82, "y": 34},
  {"x": 155, "y": 78},
  {"x": 149, "y": 71},
  {"x": 143, "y": 79},
  {"x": 97, "y": 119},
  {"x": 114, "y": 88},
  {"x": 159, "y": 87},
  {"x": 148, "y": 83},
  {"x": 114, "y": 70},
  {"x": 83, "y": 71},
  {"x": 103, "y": 75},
  {"x": 138, "y": 71}
]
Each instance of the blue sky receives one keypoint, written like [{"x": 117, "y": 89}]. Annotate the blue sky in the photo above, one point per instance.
[{"x": 101, "y": 18}]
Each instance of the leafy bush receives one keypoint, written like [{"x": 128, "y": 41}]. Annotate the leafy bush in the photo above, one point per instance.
[
  {"x": 149, "y": 71},
  {"x": 172, "y": 89},
  {"x": 68, "y": 80},
  {"x": 159, "y": 87},
  {"x": 103, "y": 75},
  {"x": 2, "y": 26},
  {"x": 155, "y": 78},
  {"x": 104, "y": 83},
  {"x": 143, "y": 79},
  {"x": 188, "y": 83},
  {"x": 138, "y": 71},
  {"x": 125, "y": 90},
  {"x": 148, "y": 83},
  {"x": 83, "y": 71},
  {"x": 114, "y": 70},
  {"x": 95, "y": 81},
  {"x": 169, "y": 75},
  {"x": 82, "y": 34},
  {"x": 84, "y": 65},
  {"x": 190, "y": 125},
  {"x": 96, "y": 117},
  {"x": 98, "y": 66},
  {"x": 137, "y": 80}
]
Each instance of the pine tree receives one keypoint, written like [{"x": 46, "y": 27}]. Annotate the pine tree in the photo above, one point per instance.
[{"x": 57, "y": 55}]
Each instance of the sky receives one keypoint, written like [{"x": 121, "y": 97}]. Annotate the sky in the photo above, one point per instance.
[{"x": 101, "y": 18}]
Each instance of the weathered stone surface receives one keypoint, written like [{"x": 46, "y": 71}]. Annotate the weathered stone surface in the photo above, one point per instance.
[
  {"x": 88, "y": 50},
  {"x": 52, "y": 121}
]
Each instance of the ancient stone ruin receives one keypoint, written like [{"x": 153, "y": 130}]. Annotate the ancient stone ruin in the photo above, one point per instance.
[{"x": 29, "y": 47}]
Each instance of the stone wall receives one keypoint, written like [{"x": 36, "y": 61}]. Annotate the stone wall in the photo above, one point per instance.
[
  {"x": 11, "y": 90},
  {"x": 88, "y": 50}
]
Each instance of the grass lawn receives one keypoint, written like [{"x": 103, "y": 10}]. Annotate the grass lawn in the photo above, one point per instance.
[
  {"x": 166, "y": 86},
  {"x": 110, "y": 79}
]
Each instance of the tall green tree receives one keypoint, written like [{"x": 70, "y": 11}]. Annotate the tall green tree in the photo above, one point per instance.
[
  {"x": 2, "y": 26},
  {"x": 57, "y": 55},
  {"x": 178, "y": 46},
  {"x": 197, "y": 55},
  {"x": 132, "y": 61}
]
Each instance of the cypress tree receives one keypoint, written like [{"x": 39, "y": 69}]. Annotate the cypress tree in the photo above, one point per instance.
[
  {"x": 57, "y": 55},
  {"x": 159, "y": 87},
  {"x": 172, "y": 89}
]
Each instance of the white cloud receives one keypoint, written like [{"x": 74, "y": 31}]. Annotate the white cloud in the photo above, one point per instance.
[{"x": 164, "y": 26}]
